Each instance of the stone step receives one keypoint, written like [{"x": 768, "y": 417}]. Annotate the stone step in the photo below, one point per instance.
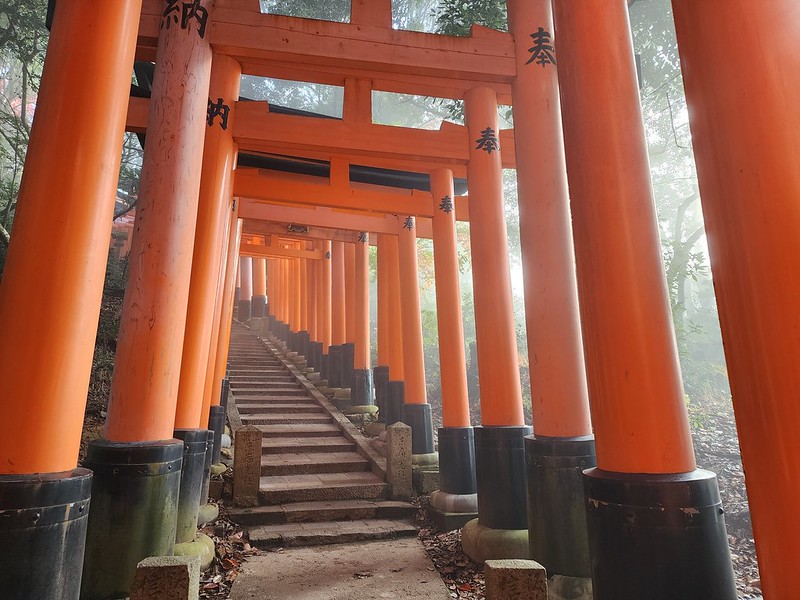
[
  {"x": 307, "y": 464},
  {"x": 271, "y": 379},
  {"x": 300, "y": 430},
  {"x": 316, "y": 512},
  {"x": 304, "y": 405},
  {"x": 251, "y": 398},
  {"x": 308, "y": 445},
  {"x": 323, "y": 486},
  {"x": 317, "y": 534},
  {"x": 267, "y": 419},
  {"x": 266, "y": 389}
]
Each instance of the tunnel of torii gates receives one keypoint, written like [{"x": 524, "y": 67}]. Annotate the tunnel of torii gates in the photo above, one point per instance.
[{"x": 613, "y": 493}]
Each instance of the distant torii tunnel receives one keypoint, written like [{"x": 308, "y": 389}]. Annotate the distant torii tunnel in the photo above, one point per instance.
[{"x": 268, "y": 213}]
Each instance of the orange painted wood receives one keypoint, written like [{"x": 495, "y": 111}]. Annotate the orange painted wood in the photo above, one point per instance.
[
  {"x": 226, "y": 315},
  {"x": 319, "y": 217},
  {"x": 257, "y": 251},
  {"x": 296, "y": 294},
  {"x": 314, "y": 233},
  {"x": 638, "y": 408},
  {"x": 376, "y": 13},
  {"x": 452, "y": 356},
  {"x": 246, "y": 270},
  {"x": 357, "y": 104},
  {"x": 144, "y": 390},
  {"x": 745, "y": 123},
  {"x": 396, "y": 366},
  {"x": 559, "y": 393},
  {"x": 338, "y": 310},
  {"x": 413, "y": 351},
  {"x": 325, "y": 297},
  {"x": 361, "y": 305},
  {"x": 313, "y": 296},
  {"x": 219, "y": 158},
  {"x": 302, "y": 286},
  {"x": 259, "y": 277},
  {"x": 383, "y": 302},
  {"x": 350, "y": 293},
  {"x": 498, "y": 362},
  {"x": 49, "y": 316}
]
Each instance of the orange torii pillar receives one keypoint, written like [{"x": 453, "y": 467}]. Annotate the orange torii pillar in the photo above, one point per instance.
[
  {"x": 338, "y": 315},
  {"x": 238, "y": 291},
  {"x": 279, "y": 323},
  {"x": 324, "y": 305},
  {"x": 246, "y": 289},
  {"x": 380, "y": 373},
  {"x": 45, "y": 362},
  {"x": 499, "y": 442},
  {"x": 259, "y": 287},
  {"x": 314, "y": 347},
  {"x": 134, "y": 515},
  {"x": 416, "y": 412},
  {"x": 285, "y": 294},
  {"x": 655, "y": 522},
  {"x": 348, "y": 348},
  {"x": 297, "y": 303},
  {"x": 361, "y": 389},
  {"x": 745, "y": 122},
  {"x": 219, "y": 157},
  {"x": 562, "y": 445},
  {"x": 395, "y": 387},
  {"x": 457, "y": 492}
]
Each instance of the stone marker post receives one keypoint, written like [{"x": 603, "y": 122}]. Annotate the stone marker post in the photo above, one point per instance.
[
  {"x": 398, "y": 461},
  {"x": 167, "y": 578},
  {"x": 515, "y": 579},
  {"x": 246, "y": 465}
]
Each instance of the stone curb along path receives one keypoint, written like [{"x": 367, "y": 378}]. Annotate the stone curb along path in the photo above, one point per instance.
[{"x": 321, "y": 483}]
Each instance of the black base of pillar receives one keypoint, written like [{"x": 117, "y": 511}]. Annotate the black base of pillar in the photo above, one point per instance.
[
  {"x": 237, "y": 295},
  {"x": 259, "y": 306},
  {"x": 225, "y": 390},
  {"x": 380, "y": 377},
  {"x": 324, "y": 370},
  {"x": 658, "y": 537},
  {"x": 317, "y": 355},
  {"x": 216, "y": 423},
  {"x": 457, "y": 460},
  {"x": 134, "y": 510},
  {"x": 245, "y": 309},
  {"x": 43, "y": 528},
  {"x": 348, "y": 358},
  {"x": 195, "y": 442},
  {"x": 556, "y": 505},
  {"x": 303, "y": 340},
  {"x": 500, "y": 471},
  {"x": 395, "y": 398},
  {"x": 207, "y": 466},
  {"x": 335, "y": 367},
  {"x": 361, "y": 390},
  {"x": 418, "y": 417}
]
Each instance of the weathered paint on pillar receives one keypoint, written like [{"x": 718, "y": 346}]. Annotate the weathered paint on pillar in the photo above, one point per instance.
[
  {"x": 361, "y": 302},
  {"x": 297, "y": 293},
  {"x": 559, "y": 393},
  {"x": 45, "y": 381},
  {"x": 452, "y": 358},
  {"x": 498, "y": 362},
  {"x": 313, "y": 300},
  {"x": 338, "y": 311},
  {"x": 383, "y": 302},
  {"x": 325, "y": 295},
  {"x": 246, "y": 269},
  {"x": 745, "y": 121},
  {"x": 350, "y": 292},
  {"x": 285, "y": 290},
  {"x": 413, "y": 351},
  {"x": 396, "y": 366},
  {"x": 638, "y": 409},
  {"x": 219, "y": 158},
  {"x": 144, "y": 390}
]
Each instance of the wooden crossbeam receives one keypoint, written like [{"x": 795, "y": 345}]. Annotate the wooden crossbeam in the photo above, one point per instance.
[
  {"x": 325, "y": 52},
  {"x": 261, "y": 251},
  {"x": 266, "y": 229}
]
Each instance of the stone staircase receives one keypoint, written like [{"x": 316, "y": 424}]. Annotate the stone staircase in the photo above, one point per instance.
[{"x": 321, "y": 483}]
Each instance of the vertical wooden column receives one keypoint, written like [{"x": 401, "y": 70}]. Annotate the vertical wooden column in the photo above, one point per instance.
[
  {"x": 499, "y": 454},
  {"x": 216, "y": 182},
  {"x": 338, "y": 314},
  {"x": 638, "y": 410},
  {"x": 350, "y": 292},
  {"x": 416, "y": 411},
  {"x": 745, "y": 121},
  {"x": 361, "y": 390},
  {"x": 325, "y": 296},
  {"x": 49, "y": 316},
  {"x": 303, "y": 289},
  {"x": 380, "y": 373},
  {"x": 285, "y": 291},
  {"x": 559, "y": 394},
  {"x": 396, "y": 366},
  {"x": 246, "y": 289},
  {"x": 259, "y": 286},
  {"x": 456, "y": 437},
  {"x": 297, "y": 295},
  {"x": 144, "y": 390},
  {"x": 314, "y": 352}
]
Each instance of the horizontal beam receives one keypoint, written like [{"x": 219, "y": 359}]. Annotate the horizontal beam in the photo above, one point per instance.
[
  {"x": 266, "y": 229},
  {"x": 327, "y": 52},
  {"x": 273, "y": 186},
  {"x": 328, "y": 218},
  {"x": 261, "y": 251}
]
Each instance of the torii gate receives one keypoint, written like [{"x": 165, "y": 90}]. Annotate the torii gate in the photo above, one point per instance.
[{"x": 644, "y": 453}]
